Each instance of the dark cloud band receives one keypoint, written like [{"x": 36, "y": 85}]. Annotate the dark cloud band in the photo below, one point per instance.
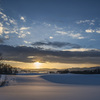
[{"x": 22, "y": 54}]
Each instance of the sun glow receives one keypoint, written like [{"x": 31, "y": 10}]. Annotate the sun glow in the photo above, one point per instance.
[{"x": 37, "y": 65}]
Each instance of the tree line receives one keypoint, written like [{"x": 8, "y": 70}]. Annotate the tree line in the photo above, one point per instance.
[
  {"x": 7, "y": 69},
  {"x": 95, "y": 70}
]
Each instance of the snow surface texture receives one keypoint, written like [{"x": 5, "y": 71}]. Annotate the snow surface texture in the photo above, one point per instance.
[{"x": 37, "y": 87}]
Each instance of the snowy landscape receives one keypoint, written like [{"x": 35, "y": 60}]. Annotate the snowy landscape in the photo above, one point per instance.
[
  {"x": 49, "y": 49},
  {"x": 51, "y": 87}
]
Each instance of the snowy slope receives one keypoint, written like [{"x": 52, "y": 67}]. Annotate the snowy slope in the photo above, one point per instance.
[{"x": 75, "y": 79}]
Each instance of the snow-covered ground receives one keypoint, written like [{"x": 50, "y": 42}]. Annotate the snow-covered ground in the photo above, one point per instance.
[{"x": 53, "y": 87}]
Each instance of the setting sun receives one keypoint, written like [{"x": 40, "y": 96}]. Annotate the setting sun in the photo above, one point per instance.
[{"x": 37, "y": 64}]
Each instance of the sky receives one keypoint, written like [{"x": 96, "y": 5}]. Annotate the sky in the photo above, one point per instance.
[{"x": 55, "y": 33}]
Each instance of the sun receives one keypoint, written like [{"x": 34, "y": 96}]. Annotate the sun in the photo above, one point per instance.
[{"x": 37, "y": 65}]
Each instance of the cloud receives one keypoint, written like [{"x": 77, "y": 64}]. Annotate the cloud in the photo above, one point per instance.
[
  {"x": 7, "y": 23},
  {"x": 24, "y": 28},
  {"x": 92, "y": 31},
  {"x": 30, "y": 54},
  {"x": 7, "y": 37},
  {"x": 22, "y": 36},
  {"x": 89, "y": 31},
  {"x": 71, "y": 34},
  {"x": 9, "y": 26},
  {"x": 46, "y": 24},
  {"x": 61, "y": 32},
  {"x": 27, "y": 42},
  {"x": 81, "y": 49},
  {"x": 93, "y": 39},
  {"x": 90, "y": 22},
  {"x": 58, "y": 28},
  {"x": 78, "y": 36},
  {"x": 28, "y": 32},
  {"x": 97, "y": 31},
  {"x": 51, "y": 37},
  {"x": 22, "y": 18},
  {"x": 81, "y": 37},
  {"x": 56, "y": 44},
  {"x": 3, "y": 16},
  {"x": 1, "y": 30},
  {"x": 12, "y": 21}
]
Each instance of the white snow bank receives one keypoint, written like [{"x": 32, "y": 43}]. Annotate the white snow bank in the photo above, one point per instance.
[
  {"x": 8, "y": 79},
  {"x": 75, "y": 79},
  {"x": 2, "y": 78}
]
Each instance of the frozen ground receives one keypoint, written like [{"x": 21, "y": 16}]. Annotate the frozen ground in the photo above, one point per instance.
[{"x": 50, "y": 87}]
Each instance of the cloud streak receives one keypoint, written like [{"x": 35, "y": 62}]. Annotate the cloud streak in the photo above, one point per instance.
[
  {"x": 90, "y": 22},
  {"x": 56, "y": 44},
  {"x": 71, "y": 34}
]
